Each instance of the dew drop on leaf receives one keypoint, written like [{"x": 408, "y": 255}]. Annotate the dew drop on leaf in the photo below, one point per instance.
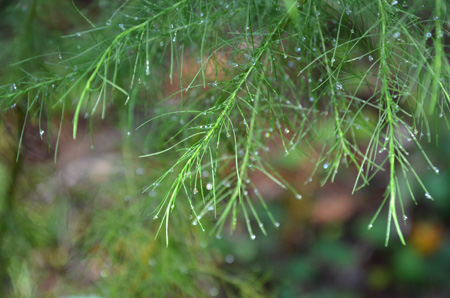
[{"x": 229, "y": 259}]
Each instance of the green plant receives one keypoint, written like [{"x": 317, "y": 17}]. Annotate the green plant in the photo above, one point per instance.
[{"x": 341, "y": 83}]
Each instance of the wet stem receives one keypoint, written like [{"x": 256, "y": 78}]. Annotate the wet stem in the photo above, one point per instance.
[
  {"x": 176, "y": 186},
  {"x": 384, "y": 69},
  {"x": 106, "y": 54}
]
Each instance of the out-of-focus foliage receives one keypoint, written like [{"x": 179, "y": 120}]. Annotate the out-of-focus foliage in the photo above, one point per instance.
[{"x": 260, "y": 103}]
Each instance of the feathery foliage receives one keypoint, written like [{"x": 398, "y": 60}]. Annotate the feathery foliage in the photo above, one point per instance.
[{"x": 343, "y": 83}]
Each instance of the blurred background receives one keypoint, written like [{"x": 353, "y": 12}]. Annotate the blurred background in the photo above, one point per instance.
[{"x": 81, "y": 227}]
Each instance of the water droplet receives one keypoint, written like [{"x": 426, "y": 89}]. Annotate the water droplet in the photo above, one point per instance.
[
  {"x": 436, "y": 170},
  {"x": 155, "y": 217},
  {"x": 213, "y": 292},
  {"x": 394, "y": 3},
  {"x": 405, "y": 217},
  {"x": 209, "y": 186},
  {"x": 211, "y": 208},
  {"x": 267, "y": 134},
  {"x": 428, "y": 196},
  {"x": 338, "y": 86},
  {"x": 332, "y": 60},
  {"x": 286, "y": 130},
  {"x": 325, "y": 166},
  {"x": 370, "y": 226},
  {"x": 298, "y": 196},
  {"x": 256, "y": 191},
  {"x": 396, "y": 35},
  {"x": 370, "y": 58},
  {"x": 41, "y": 133},
  {"x": 276, "y": 224},
  {"x": 428, "y": 35},
  {"x": 298, "y": 49},
  {"x": 161, "y": 43},
  {"x": 229, "y": 259},
  {"x": 122, "y": 26},
  {"x": 108, "y": 23},
  {"x": 129, "y": 133},
  {"x": 253, "y": 237},
  {"x": 78, "y": 34},
  {"x": 147, "y": 67},
  {"x": 218, "y": 236},
  {"x": 195, "y": 191},
  {"x": 348, "y": 11}
]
